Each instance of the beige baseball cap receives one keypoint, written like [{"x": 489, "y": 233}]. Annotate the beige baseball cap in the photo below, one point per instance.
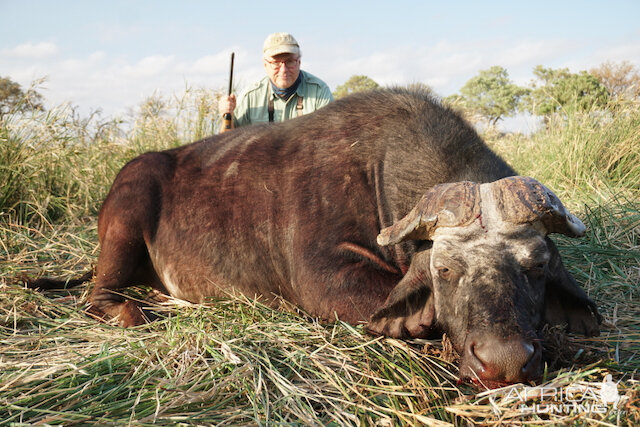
[{"x": 278, "y": 43}]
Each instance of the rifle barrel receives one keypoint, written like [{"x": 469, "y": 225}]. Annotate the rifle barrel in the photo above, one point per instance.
[
  {"x": 227, "y": 118},
  {"x": 231, "y": 74}
]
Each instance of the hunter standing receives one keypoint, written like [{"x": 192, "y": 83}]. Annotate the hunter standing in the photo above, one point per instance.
[{"x": 286, "y": 92}]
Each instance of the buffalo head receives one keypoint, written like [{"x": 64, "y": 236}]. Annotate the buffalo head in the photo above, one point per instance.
[{"x": 487, "y": 275}]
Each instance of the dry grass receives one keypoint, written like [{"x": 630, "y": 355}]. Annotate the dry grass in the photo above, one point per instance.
[{"x": 236, "y": 361}]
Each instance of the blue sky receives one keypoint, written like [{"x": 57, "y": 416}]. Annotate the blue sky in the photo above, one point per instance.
[{"x": 113, "y": 54}]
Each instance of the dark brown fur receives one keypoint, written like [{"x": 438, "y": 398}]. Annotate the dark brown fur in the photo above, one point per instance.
[
  {"x": 291, "y": 210},
  {"x": 279, "y": 209}
]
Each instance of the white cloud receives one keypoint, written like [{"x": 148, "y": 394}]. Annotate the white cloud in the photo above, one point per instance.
[
  {"x": 446, "y": 65},
  {"x": 532, "y": 52},
  {"x": 97, "y": 56},
  {"x": 32, "y": 50},
  {"x": 210, "y": 64},
  {"x": 628, "y": 52},
  {"x": 116, "y": 83},
  {"x": 150, "y": 66}
]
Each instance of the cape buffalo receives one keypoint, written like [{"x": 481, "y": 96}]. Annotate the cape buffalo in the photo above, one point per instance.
[{"x": 384, "y": 207}]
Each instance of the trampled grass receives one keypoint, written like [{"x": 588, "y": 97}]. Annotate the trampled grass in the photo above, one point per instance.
[{"x": 236, "y": 361}]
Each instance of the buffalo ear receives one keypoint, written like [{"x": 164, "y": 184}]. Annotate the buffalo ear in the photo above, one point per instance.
[
  {"x": 565, "y": 301},
  {"x": 409, "y": 311}
]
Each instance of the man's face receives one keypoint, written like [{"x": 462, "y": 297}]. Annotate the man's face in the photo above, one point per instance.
[{"x": 283, "y": 69}]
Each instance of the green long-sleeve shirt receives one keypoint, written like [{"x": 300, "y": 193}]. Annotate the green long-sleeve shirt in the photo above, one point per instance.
[{"x": 253, "y": 105}]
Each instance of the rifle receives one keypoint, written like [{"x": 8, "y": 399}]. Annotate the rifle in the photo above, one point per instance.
[{"x": 227, "y": 118}]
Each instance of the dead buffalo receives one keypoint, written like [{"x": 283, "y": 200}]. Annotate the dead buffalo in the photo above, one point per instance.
[{"x": 383, "y": 207}]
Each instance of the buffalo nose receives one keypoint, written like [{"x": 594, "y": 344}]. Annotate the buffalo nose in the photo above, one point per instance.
[{"x": 492, "y": 358}]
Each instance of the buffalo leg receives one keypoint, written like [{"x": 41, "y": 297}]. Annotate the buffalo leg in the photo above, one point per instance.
[{"x": 123, "y": 262}]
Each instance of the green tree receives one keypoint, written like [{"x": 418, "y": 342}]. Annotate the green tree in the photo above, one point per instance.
[
  {"x": 355, "y": 84},
  {"x": 14, "y": 99},
  {"x": 559, "y": 90},
  {"x": 490, "y": 95}
]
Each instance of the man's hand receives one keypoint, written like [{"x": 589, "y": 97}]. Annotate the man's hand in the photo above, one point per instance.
[{"x": 227, "y": 104}]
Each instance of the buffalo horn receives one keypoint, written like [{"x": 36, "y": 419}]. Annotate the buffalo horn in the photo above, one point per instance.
[
  {"x": 521, "y": 200},
  {"x": 446, "y": 205}
]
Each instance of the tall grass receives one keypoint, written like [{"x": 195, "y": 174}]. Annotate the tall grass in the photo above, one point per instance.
[
  {"x": 55, "y": 165},
  {"x": 584, "y": 157},
  {"x": 237, "y": 362}
]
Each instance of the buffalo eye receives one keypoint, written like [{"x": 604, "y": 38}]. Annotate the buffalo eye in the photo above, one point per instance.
[{"x": 445, "y": 273}]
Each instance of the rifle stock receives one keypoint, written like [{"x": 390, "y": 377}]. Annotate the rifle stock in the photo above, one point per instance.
[{"x": 227, "y": 122}]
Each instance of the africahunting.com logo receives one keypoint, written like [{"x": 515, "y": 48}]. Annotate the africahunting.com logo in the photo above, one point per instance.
[{"x": 575, "y": 398}]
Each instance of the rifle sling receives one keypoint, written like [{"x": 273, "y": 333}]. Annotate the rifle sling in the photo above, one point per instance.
[{"x": 271, "y": 109}]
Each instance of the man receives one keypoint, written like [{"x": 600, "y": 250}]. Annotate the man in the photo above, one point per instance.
[{"x": 286, "y": 92}]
